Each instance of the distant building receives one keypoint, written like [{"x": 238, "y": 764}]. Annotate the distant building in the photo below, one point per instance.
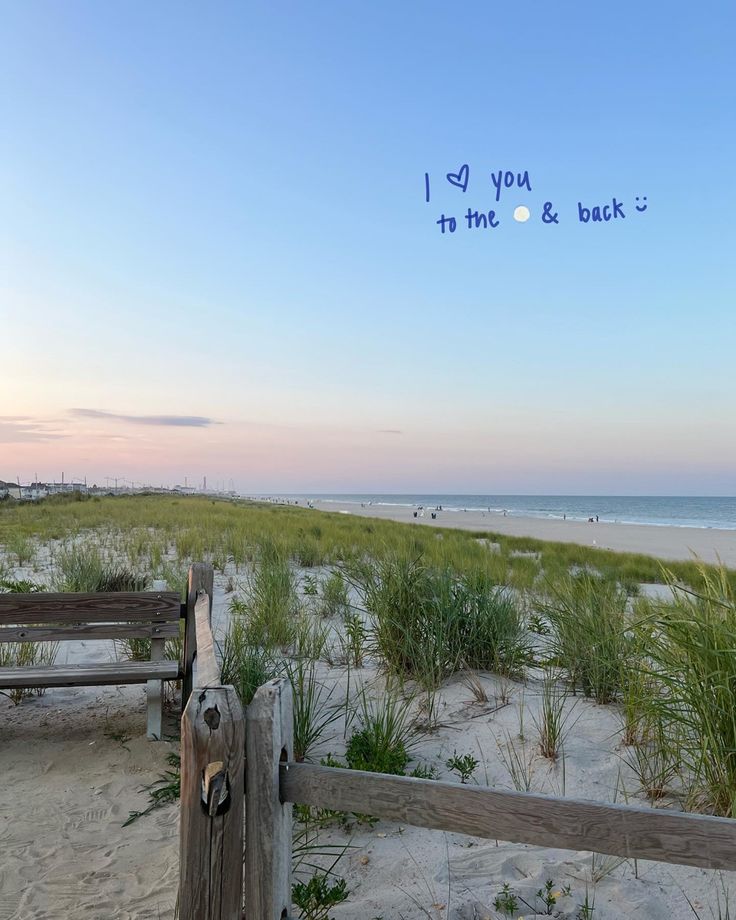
[
  {"x": 59, "y": 488},
  {"x": 34, "y": 491},
  {"x": 10, "y": 490}
]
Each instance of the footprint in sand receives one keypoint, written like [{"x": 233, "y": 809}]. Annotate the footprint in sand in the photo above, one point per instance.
[
  {"x": 10, "y": 903},
  {"x": 97, "y": 814}
]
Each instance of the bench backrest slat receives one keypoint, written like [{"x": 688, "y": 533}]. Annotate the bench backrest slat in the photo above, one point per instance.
[
  {"x": 144, "y": 607},
  {"x": 69, "y": 631}
]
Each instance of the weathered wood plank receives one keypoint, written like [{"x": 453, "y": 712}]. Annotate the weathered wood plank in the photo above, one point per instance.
[
  {"x": 89, "y": 675},
  {"x": 207, "y": 670},
  {"x": 92, "y": 631},
  {"x": 621, "y": 830},
  {"x": 268, "y": 830},
  {"x": 155, "y": 694},
  {"x": 201, "y": 578},
  {"x": 120, "y": 606},
  {"x": 212, "y": 799}
]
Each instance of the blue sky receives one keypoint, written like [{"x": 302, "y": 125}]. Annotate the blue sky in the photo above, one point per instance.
[{"x": 219, "y": 212}]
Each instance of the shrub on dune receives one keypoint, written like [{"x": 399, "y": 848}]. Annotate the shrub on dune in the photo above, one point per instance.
[
  {"x": 691, "y": 645},
  {"x": 588, "y": 618}
]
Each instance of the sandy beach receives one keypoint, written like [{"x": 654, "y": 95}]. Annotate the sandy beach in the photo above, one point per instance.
[
  {"x": 76, "y": 763},
  {"x": 668, "y": 543}
]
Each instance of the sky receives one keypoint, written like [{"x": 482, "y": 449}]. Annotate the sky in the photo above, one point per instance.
[{"x": 217, "y": 257}]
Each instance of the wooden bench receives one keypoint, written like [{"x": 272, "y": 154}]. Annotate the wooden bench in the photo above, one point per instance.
[{"x": 48, "y": 617}]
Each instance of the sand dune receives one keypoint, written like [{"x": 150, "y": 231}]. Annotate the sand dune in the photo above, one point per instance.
[{"x": 75, "y": 763}]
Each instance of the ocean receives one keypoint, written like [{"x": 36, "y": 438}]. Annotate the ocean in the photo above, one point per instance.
[{"x": 672, "y": 511}]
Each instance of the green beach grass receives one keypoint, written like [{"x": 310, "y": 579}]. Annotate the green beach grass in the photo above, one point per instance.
[
  {"x": 425, "y": 606},
  {"x": 144, "y": 527}
]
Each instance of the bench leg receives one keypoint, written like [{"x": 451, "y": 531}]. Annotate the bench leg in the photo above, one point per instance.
[{"x": 155, "y": 694}]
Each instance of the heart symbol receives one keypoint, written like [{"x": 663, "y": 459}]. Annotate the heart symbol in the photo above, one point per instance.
[{"x": 460, "y": 178}]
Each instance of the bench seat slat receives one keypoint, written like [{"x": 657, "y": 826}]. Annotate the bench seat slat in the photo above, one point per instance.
[
  {"x": 67, "y": 631},
  {"x": 116, "y": 607},
  {"x": 89, "y": 675}
]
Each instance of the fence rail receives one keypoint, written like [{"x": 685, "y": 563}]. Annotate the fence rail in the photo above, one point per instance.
[
  {"x": 519, "y": 817},
  {"x": 273, "y": 782}
]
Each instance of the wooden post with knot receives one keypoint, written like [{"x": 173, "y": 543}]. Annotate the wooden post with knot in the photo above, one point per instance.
[{"x": 212, "y": 776}]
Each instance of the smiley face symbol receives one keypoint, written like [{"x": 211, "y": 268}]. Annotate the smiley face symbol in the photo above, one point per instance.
[{"x": 643, "y": 207}]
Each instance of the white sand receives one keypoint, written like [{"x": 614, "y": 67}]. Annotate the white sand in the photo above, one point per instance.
[
  {"x": 671, "y": 543},
  {"x": 68, "y": 786},
  {"x": 67, "y": 789},
  {"x": 398, "y": 871}
]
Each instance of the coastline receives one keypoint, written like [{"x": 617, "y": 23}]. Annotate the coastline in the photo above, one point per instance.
[{"x": 666, "y": 542}]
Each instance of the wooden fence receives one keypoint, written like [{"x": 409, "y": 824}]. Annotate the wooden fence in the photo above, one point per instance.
[
  {"x": 213, "y": 738},
  {"x": 212, "y": 774}
]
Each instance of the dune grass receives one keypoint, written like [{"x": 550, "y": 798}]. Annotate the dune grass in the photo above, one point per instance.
[
  {"x": 20, "y": 548},
  {"x": 691, "y": 715},
  {"x": 200, "y": 528},
  {"x": 83, "y": 567},
  {"x": 436, "y": 601},
  {"x": 588, "y": 618},
  {"x": 246, "y": 666},
  {"x": 429, "y": 622},
  {"x": 334, "y": 599},
  {"x": 422, "y": 605},
  {"x": 270, "y": 605},
  {"x": 555, "y": 719},
  {"x": 385, "y": 733},
  {"x": 314, "y": 708}
]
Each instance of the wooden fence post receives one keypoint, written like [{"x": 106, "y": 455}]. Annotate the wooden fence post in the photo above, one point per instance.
[
  {"x": 212, "y": 790},
  {"x": 201, "y": 577},
  {"x": 268, "y": 826}
]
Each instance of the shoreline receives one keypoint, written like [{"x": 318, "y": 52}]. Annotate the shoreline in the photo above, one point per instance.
[
  {"x": 674, "y": 543},
  {"x": 518, "y": 514}
]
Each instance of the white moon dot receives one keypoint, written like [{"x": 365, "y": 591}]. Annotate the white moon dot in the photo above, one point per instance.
[{"x": 521, "y": 214}]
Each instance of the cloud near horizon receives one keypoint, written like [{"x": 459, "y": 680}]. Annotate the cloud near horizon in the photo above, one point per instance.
[
  {"x": 167, "y": 421},
  {"x": 17, "y": 429}
]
